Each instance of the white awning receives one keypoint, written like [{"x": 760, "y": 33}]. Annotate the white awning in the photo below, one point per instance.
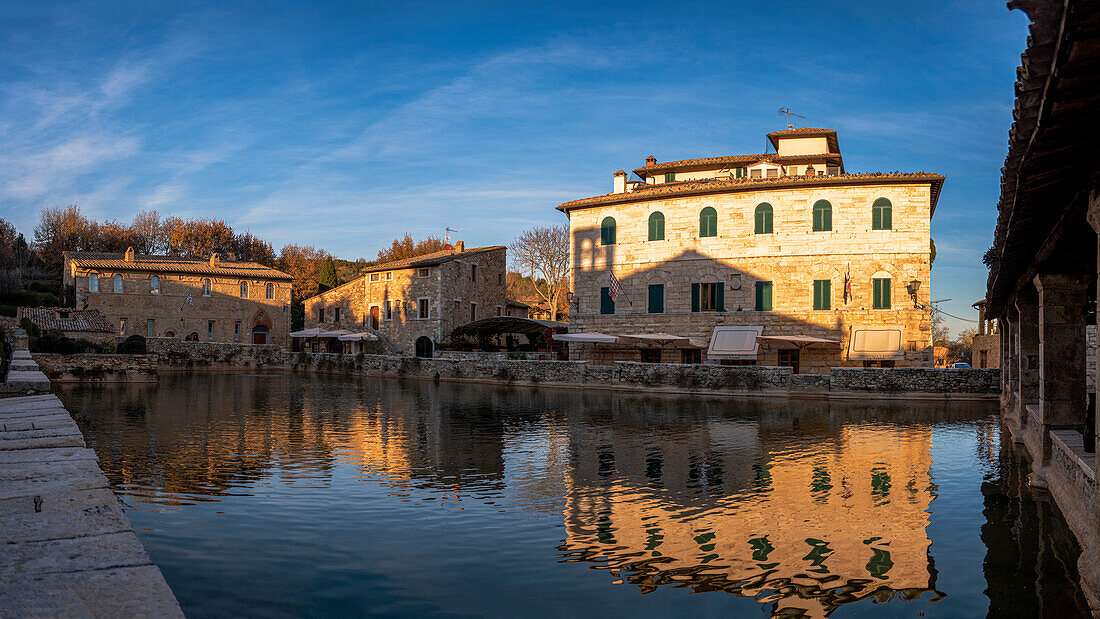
[
  {"x": 356, "y": 337},
  {"x": 876, "y": 344},
  {"x": 586, "y": 338},
  {"x": 734, "y": 343},
  {"x": 308, "y": 333}
]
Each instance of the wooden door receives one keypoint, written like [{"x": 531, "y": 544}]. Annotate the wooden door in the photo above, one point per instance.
[{"x": 374, "y": 315}]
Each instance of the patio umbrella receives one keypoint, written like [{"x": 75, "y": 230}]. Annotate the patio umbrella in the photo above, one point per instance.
[
  {"x": 308, "y": 332},
  {"x": 801, "y": 341},
  {"x": 587, "y": 338},
  {"x": 358, "y": 337},
  {"x": 660, "y": 339}
]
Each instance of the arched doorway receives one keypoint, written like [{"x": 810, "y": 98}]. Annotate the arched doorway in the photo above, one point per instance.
[
  {"x": 192, "y": 337},
  {"x": 169, "y": 333},
  {"x": 374, "y": 315},
  {"x": 259, "y": 334},
  {"x": 424, "y": 347},
  {"x": 261, "y": 327}
]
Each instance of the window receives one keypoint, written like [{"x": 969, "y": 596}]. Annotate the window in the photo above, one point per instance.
[
  {"x": 763, "y": 296},
  {"x": 651, "y": 355},
  {"x": 500, "y": 279},
  {"x": 150, "y": 328},
  {"x": 657, "y": 226},
  {"x": 205, "y": 287},
  {"x": 422, "y": 273},
  {"x": 93, "y": 283},
  {"x": 122, "y": 326},
  {"x": 473, "y": 272},
  {"x": 670, "y": 177},
  {"x": 691, "y": 355},
  {"x": 823, "y": 216},
  {"x": 738, "y": 172},
  {"x": 823, "y": 294},
  {"x": 755, "y": 173},
  {"x": 708, "y": 222},
  {"x": 210, "y": 329},
  {"x": 244, "y": 289},
  {"x": 389, "y": 276},
  {"x": 374, "y": 277},
  {"x": 237, "y": 331},
  {"x": 388, "y": 310},
  {"x": 708, "y": 297},
  {"x": 473, "y": 312},
  {"x": 763, "y": 218},
  {"x": 118, "y": 283},
  {"x": 422, "y": 311},
  {"x": 320, "y": 314},
  {"x": 881, "y": 298},
  {"x": 607, "y": 231},
  {"x": 154, "y": 284},
  {"x": 269, "y": 291},
  {"x": 500, "y": 311},
  {"x": 833, "y": 170},
  {"x": 336, "y": 314},
  {"x": 882, "y": 215},
  {"x": 656, "y": 298},
  {"x": 772, "y": 173},
  {"x": 607, "y": 304}
]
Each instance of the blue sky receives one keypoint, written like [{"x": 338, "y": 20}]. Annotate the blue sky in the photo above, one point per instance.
[{"x": 344, "y": 125}]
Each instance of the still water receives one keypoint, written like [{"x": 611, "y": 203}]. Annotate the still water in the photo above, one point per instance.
[{"x": 277, "y": 494}]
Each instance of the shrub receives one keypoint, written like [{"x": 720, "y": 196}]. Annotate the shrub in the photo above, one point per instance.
[
  {"x": 7, "y": 310},
  {"x": 29, "y": 327},
  {"x": 56, "y": 342},
  {"x": 133, "y": 345}
]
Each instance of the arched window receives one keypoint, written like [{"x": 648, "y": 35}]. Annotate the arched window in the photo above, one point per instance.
[
  {"x": 244, "y": 289},
  {"x": 708, "y": 222},
  {"x": 269, "y": 291},
  {"x": 823, "y": 216},
  {"x": 118, "y": 282},
  {"x": 880, "y": 289},
  {"x": 882, "y": 215},
  {"x": 154, "y": 284},
  {"x": 607, "y": 231},
  {"x": 763, "y": 218},
  {"x": 93, "y": 283},
  {"x": 206, "y": 287},
  {"x": 657, "y": 226}
]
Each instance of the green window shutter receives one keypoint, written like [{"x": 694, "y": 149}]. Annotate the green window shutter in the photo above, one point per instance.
[
  {"x": 607, "y": 304},
  {"x": 657, "y": 226},
  {"x": 764, "y": 218},
  {"x": 720, "y": 296},
  {"x": 763, "y": 296},
  {"x": 670, "y": 177},
  {"x": 708, "y": 222},
  {"x": 607, "y": 231},
  {"x": 695, "y": 297},
  {"x": 823, "y": 293},
  {"x": 823, "y": 216},
  {"x": 769, "y": 288},
  {"x": 882, "y": 215},
  {"x": 881, "y": 293},
  {"x": 656, "y": 298},
  {"x": 887, "y": 219},
  {"x": 738, "y": 172}
]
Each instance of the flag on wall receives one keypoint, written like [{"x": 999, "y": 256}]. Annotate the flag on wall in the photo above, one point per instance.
[
  {"x": 190, "y": 301},
  {"x": 616, "y": 287},
  {"x": 848, "y": 284}
]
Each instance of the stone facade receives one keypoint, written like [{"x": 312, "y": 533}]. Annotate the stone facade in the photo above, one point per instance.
[
  {"x": 210, "y": 300},
  {"x": 95, "y": 368},
  {"x": 792, "y": 257},
  {"x": 426, "y": 297}
]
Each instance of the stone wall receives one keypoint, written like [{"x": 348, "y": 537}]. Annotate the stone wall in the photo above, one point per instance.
[
  {"x": 171, "y": 352},
  {"x": 922, "y": 380},
  {"x": 707, "y": 377},
  {"x": 113, "y": 368}
]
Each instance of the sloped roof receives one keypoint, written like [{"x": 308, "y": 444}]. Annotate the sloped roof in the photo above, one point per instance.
[
  {"x": 50, "y": 318},
  {"x": 173, "y": 264},
  {"x": 431, "y": 259},
  {"x": 736, "y": 185},
  {"x": 731, "y": 160}
]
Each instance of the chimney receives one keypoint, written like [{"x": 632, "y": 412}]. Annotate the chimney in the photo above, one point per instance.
[
  {"x": 650, "y": 161},
  {"x": 129, "y": 254},
  {"x": 620, "y": 182},
  {"x": 460, "y": 247},
  {"x": 214, "y": 260}
]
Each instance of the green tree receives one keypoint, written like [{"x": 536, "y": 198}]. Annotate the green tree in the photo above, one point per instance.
[{"x": 326, "y": 280}]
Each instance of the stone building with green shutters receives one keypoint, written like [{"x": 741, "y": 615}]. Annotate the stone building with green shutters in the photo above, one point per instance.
[{"x": 830, "y": 268}]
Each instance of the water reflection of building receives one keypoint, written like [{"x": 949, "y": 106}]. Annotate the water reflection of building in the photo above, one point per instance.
[{"x": 730, "y": 505}]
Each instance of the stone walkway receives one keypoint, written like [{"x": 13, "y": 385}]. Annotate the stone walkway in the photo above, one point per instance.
[
  {"x": 66, "y": 547},
  {"x": 24, "y": 375}
]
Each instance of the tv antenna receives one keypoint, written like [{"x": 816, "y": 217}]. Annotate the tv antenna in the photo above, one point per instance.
[
  {"x": 447, "y": 236},
  {"x": 788, "y": 113}
]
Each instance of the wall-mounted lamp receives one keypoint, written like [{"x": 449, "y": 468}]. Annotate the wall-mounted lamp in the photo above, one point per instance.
[
  {"x": 569, "y": 296},
  {"x": 912, "y": 288}
]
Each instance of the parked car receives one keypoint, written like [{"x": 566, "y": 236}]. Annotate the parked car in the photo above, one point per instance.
[{"x": 961, "y": 365}]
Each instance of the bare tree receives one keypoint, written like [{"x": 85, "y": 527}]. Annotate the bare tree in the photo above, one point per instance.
[{"x": 543, "y": 254}]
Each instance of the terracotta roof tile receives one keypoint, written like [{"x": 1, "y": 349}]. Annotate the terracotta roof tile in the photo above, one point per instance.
[
  {"x": 50, "y": 318},
  {"x": 173, "y": 264},
  {"x": 427, "y": 260},
  {"x": 728, "y": 160}
]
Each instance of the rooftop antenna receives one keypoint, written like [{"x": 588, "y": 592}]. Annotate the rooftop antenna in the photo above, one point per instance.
[
  {"x": 786, "y": 111},
  {"x": 447, "y": 236}
]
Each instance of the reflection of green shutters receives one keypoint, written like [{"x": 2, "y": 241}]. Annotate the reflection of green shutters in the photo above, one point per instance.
[
  {"x": 763, "y": 296},
  {"x": 764, "y": 218},
  {"x": 657, "y": 226},
  {"x": 882, "y": 215},
  {"x": 695, "y": 297},
  {"x": 708, "y": 222},
  {"x": 823, "y": 216},
  {"x": 823, "y": 294},
  {"x": 607, "y": 304},
  {"x": 656, "y": 298},
  {"x": 881, "y": 298}
]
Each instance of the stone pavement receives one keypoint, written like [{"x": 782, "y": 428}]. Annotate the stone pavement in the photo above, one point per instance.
[
  {"x": 66, "y": 547},
  {"x": 24, "y": 375}
]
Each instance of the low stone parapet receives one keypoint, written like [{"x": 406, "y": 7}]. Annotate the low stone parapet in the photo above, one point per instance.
[
  {"x": 744, "y": 378},
  {"x": 916, "y": 380},
  {"x": 92, "y": 368}
]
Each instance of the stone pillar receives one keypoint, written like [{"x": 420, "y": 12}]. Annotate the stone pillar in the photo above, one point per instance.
[
  {"x": 1027, "y": 351},
  {"x": 1093, "y": 216},
  {"x": 1007, "y": 359},
  {"x": 1061, "y": 350}
]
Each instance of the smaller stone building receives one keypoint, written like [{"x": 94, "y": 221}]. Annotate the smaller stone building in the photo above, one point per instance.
[
  {"x": 88, "y": 325},
  {"x": 212, "y": 299},
  {"x": 416, "y": 303},
  {"x": 985, "y": 348}
]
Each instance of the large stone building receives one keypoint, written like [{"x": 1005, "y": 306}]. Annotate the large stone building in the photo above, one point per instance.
[
  {"x": 189, "y": 298},
  {"x": 416, "y": 303},
  {"x": 785, "y": 244}
]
